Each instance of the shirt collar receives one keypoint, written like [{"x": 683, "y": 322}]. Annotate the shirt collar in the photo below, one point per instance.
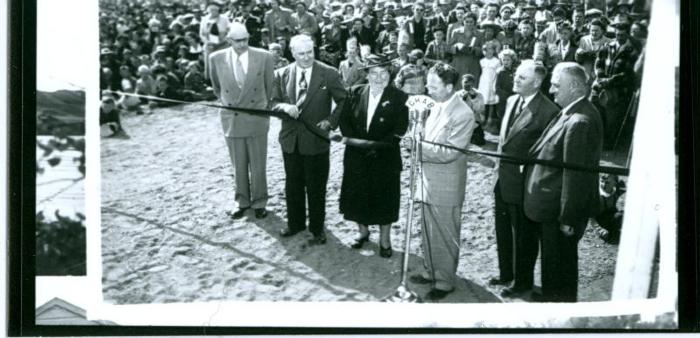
[
  {"x": 527, "y": 99},
  {"x": 567, "y": 108}
]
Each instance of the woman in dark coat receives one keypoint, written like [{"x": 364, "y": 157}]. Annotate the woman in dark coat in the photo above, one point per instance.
[{"x": 370, "y": 190}]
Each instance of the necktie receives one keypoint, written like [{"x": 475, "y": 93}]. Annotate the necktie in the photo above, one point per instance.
[
  {"x": 239, "y": 73},
  {"x": 303, "y": 86},
  {"x": 518, "y": 109}
]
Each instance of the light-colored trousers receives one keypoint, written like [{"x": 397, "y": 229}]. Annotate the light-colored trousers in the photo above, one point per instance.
[
  {"x": 440, "y": 234},
  {"x": 249, "y": 159}
]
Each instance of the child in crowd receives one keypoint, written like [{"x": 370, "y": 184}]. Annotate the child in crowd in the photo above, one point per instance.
[
  {"x": 128, "y": 86},
  {"x": 487, "y": 86},
  {"x": 146, "y": 84},
  {"x": 475, "y": 101},
  {"x": 437, "y": 49},
  {"x": 277, "y": 55},
  {"x": 504, "y": 79},
  {"x": 110, "y": 122}
]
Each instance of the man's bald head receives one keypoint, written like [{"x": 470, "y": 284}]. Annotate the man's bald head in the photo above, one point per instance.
[
  {"x": 569, "y": 83},
  {"x": 238, "y": 37},
  {"x": 528, "y": 78}
]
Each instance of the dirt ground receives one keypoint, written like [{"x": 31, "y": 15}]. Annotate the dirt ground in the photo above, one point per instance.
[{"x": 166, "y": 237}]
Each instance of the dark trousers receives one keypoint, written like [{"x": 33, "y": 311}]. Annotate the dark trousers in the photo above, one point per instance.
[
  {"x": 516, "y": 242},
  {"x": 559, "y": 264},
  {"x": 307, "y": 176}
]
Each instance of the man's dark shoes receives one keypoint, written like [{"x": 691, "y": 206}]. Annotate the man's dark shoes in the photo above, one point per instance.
[
  {"x": 360, "y": 242},
  {"x": 537, "y": 298},
  {"x": 385, "y": 252},
  {"x": 499, "y": 281},
  {"x": 419, "y": 279},
  {"x": 436, "y": 294},
  {"x": 260, "y": 213},
  {"x": 238, "y": 213},
  {"x": 318, "y": 239},
  {"x": 286, "y": 232},
  {"x": 515, "y": 291}
]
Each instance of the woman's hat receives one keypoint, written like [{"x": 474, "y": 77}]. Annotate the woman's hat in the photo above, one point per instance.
[{"x": 376, "y": 60}]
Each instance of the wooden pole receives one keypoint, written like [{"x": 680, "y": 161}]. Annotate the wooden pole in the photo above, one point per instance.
[{"x": 650, "y": 208}]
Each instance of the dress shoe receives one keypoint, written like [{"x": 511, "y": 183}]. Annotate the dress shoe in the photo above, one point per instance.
[
  {"x": 419, "y": 279},
  {"x": 436, "y": 294},
  {"x": 260, "y": 213},
  {"x": 318, "y": 239},
  {"x": 537, "y": 298},
  {"x": 286, "y": 232},
  {"x": 238, "y": 213},
  {"x": 514, "y": 291},
  {"x": 499, "y": 281},
  {"x": 360, "y": 242},
  {"x": 385, "y": 252}
]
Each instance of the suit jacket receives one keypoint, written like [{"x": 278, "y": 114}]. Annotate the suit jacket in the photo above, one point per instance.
[
  {"x": 554, "y": 53},
  {"x": 256, "y": 91},
  {"x": 563, "y": 195},
  {"x": 616, "y": 64},
  {"x": 325, "y": 87},
  {"x": 444, "y": 175},
  {"x": 526, "y": 128}
]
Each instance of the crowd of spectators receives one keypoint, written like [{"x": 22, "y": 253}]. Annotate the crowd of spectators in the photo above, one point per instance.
[{"x": 160, "y": 48}]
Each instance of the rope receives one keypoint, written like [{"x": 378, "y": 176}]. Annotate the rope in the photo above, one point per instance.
[{"x": 363, "y": 143}]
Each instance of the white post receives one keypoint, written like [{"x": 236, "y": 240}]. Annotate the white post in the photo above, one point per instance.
[{"x": 650, "y": 208}]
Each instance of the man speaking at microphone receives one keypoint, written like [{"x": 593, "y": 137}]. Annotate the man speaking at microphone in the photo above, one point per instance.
[
  {"x": 444, "y": 181},
  {"x": 242, "y": 77}
]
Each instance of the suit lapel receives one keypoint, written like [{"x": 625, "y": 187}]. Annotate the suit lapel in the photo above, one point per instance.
[
  {"x": 292, "y": 82},
  {"x": 362, "y": 110},
  {"x": 524, "y": 118},
  {"x": 314, "y": 84},
  {"x": 510, "y": 105},
  {"x": 555, "y": 126}
]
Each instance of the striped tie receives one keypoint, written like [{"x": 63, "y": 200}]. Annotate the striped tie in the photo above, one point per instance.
[{"x": 303, "y": 86}]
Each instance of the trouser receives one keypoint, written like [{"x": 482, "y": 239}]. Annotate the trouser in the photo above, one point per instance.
[
  {"x": 440, "y": 240},
  {"x": 559, "y": 264},
  {"x": 307, "y": 176},
  {"x": 249, "y": 159},
  {"x": 517, "y": 243}
]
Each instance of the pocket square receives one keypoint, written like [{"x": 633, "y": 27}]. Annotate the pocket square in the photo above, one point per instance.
[
  {"x": 381, "y": 119},
  {"x": 385, "y": 103}
]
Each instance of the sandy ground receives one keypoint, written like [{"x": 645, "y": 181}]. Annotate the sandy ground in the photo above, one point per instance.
[{"x": 166, "y": 236}]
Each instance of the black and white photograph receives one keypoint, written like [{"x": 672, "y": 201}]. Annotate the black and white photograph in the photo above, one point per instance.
[{"x": 446, "y": 163}]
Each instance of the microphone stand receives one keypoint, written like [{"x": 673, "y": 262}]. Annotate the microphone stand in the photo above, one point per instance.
[{"x": 403, "y": 294}]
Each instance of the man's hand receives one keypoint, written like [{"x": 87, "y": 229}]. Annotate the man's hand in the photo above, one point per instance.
[
  {"x": 324, "y": 125},
  {"x": 567, "y": 230},
  {"x": 290, "y": 110}
]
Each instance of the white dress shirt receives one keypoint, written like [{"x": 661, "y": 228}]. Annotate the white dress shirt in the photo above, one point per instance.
[
  {"x": 372, "y": 104},
  {"x": 307, "y": 77},
  {"x": 243, "y": 57}
]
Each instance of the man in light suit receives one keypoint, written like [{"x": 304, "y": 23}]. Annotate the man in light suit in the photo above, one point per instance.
[
  {"x": 561, "y": 200},
  {"x": 527, "y": 114},
  {"x": 444, "y": 180},
  {"x": 242, "y": 76},
  {"x": 305, "y": 91}
]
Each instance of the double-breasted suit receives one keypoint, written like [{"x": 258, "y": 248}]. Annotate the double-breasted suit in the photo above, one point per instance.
[
  {"x": 519, "y": 131},
  {"x": 245, "y": 134},
  {"x": 305, "y": 147},
  {"x": 443, "y": 184},
  {"x": 371, "y": 187},
  {"x": 555, "y": 196}
]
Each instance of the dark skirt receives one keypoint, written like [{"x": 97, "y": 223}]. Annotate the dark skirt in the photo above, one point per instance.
[{"x": 371, "y": 190}]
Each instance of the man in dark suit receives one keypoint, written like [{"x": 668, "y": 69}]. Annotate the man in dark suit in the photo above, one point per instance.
[
  {"x": 527, "y": 114},
  {"x": 562, "y": 200},
  {"x": 416, "y": 28},
  {"x": 305, "y": 91}
]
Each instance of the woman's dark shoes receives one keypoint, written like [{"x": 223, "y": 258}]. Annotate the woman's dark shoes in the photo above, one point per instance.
[
  {"x": 286, "y": 232},
  {"x": 419, "y": 279},
  {"x": 385, "y": 252},
  {"x": 360, "y": 242},
  {"x": 260, "y": 213},
  {"x": 436, "y": 294},
  {"x": 238, "y": 214}
]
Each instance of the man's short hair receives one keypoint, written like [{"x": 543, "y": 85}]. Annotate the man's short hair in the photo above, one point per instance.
[
  {"x": 468, "y": 78},
  {"x": 300, "y": 39},
  {"x": 470, "y": 15},
  {"x": 446, "y": 73},
  {"x": 537, "y": 67},
  {"x": 598, "y": 22},
  {"x": 274, "y": 45},
  {"x": 573, "y": 70}
]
